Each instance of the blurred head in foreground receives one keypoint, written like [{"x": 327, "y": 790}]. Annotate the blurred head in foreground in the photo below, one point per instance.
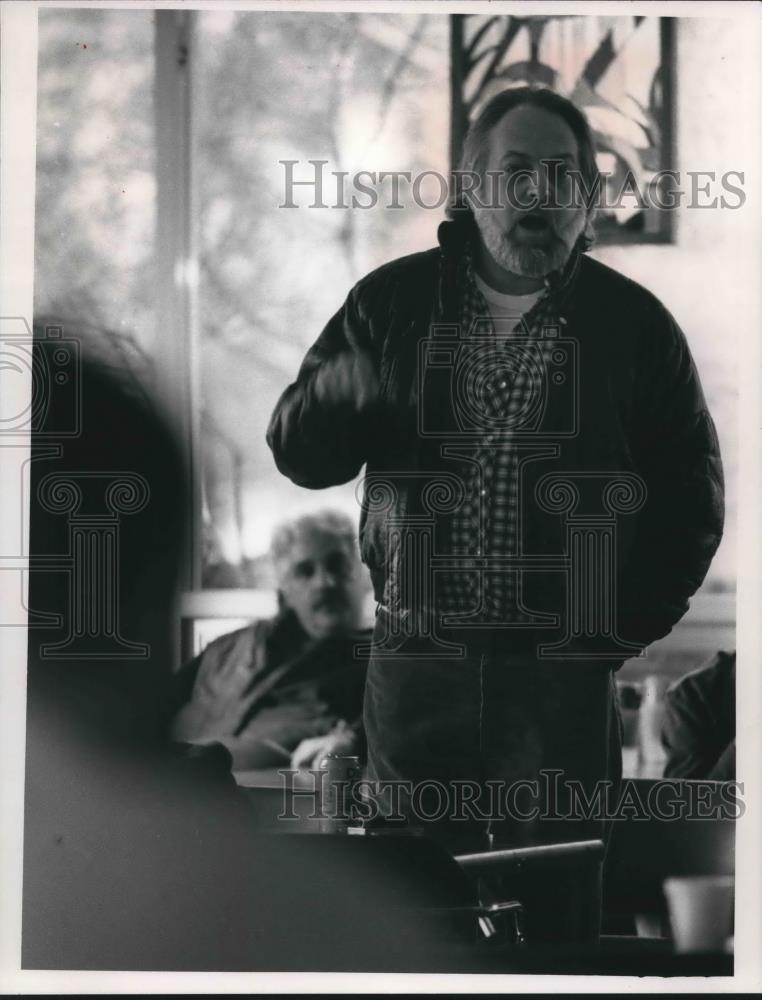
[{"x": 108, "y": 492}]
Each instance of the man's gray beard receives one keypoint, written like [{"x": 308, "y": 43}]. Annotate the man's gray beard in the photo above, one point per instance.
[{"x": 526, "y": 261}]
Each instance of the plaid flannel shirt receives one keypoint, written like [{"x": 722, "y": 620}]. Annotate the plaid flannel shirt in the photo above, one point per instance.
[{"x": 498, "y": 392}]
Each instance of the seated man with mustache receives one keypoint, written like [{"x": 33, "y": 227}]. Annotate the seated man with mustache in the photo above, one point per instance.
[{"x": 287, "y": 689}]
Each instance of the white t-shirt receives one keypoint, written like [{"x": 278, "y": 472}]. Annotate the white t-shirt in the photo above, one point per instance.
[{"x": 506, "y": 307}]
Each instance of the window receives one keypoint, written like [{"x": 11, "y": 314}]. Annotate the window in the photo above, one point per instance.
[
  {"x": 356, "y": 92},
  {"x": 96, "y": 187}
]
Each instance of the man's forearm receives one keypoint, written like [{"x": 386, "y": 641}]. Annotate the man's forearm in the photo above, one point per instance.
[
  {"x": 321, "y": 426},
  {"x": 313, "y": 444}
]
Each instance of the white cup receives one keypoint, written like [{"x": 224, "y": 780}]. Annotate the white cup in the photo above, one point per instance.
[{"x": 700, "y": 911}]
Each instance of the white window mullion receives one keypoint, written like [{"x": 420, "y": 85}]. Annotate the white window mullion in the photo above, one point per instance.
[{"x": 176, "y": 344}]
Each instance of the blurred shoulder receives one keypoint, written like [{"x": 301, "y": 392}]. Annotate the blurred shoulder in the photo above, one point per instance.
[
  {"x": 707, "y": 682},
  {"x": 239, "y": 639}
]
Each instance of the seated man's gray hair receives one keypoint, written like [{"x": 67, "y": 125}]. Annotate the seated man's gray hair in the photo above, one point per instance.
[{"x": 327, "y": 522}]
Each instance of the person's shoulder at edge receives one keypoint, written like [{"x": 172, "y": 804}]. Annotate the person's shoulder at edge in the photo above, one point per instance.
[{"x": 712, "y": 675}]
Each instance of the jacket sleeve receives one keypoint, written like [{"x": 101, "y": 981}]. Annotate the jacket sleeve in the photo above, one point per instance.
[
  {"x": 680, "y": 527},
  {"x": 681, "y": 737},
  {"x": 316, "y": 445},
  {"x": 693, "y": 740}
]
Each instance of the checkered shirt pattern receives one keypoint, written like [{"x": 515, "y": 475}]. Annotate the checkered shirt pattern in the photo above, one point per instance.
[{"x": 487, "y": 522}]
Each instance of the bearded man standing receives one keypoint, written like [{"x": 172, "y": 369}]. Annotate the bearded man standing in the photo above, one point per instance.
[{"x": 543, "y": 491}]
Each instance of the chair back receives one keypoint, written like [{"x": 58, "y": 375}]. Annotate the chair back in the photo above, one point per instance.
[{"x": 558, "y": 885}]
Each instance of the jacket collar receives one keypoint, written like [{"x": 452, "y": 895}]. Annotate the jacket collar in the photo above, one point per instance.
[{"x": 454, "y": 234}]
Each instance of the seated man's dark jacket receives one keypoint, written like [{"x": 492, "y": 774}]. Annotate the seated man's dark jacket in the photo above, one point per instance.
[
  {"x": 270, "y": 681},
  {"x": 639, "y": 405},
  {"x": 699, "y": 729}
]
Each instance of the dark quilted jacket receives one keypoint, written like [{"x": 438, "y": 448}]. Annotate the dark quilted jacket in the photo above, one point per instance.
[{"x": 635, "y": 405}]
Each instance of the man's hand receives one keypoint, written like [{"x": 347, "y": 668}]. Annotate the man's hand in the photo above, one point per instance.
[
  {"x": 350, "y": 377},
  {"x": 310, "y": 752}
]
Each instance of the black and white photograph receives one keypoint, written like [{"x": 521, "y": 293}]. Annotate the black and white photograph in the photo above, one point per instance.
[{"x": 380, "y": 498}]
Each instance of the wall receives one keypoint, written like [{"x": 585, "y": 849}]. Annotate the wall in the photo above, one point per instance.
[{"x": 709, "y": 279}]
